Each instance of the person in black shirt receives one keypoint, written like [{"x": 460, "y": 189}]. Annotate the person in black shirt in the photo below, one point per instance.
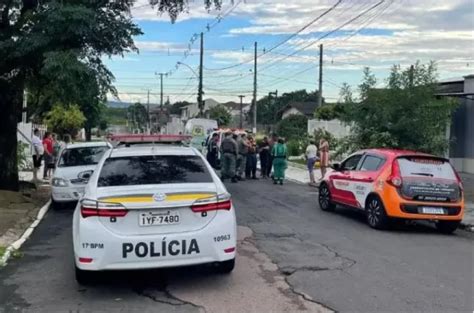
[{"x": 212, "y": 150}]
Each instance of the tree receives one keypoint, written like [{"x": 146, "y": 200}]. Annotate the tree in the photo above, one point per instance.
[
  {"x": 293, "y": 127},
  {"x": 405, "y": 114},
  {"x": 330, "y": 111},
  {"x": 176, "y": 107},
  {"x": 40, "y": 40},
  {"x": 65, "y": 120},
  {"x": 269, "y": 107},
  {"x": 221, "y": 115},
  {"x": 138, "y": 117}
]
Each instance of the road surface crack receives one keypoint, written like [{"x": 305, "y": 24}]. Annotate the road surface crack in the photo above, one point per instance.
[
  {"x": 288, "y": 271},
  {"x": 167, "y": 298},
  {"x": 306, "y": 297}
]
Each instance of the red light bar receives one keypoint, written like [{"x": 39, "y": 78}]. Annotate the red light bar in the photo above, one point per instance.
[{"x": 136, "y": 138}]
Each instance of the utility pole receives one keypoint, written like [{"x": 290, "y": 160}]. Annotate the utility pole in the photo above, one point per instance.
[
  {"x": 241, "y": 112},
  {"x": 161, "y": 93},
  {"x": 199, "y": 99},
  {"x": 25, "y": 104},
  {"x": 255, "y": 91},
  {"x": 320, "y": 91},
  {"x": 148, "y": 126}
]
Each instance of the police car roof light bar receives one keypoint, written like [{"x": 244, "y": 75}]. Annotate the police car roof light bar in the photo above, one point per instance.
[{"x": 139, "y": 138}]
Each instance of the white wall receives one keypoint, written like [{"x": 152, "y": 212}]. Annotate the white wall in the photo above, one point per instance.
[{"x": 335, "y": 127}]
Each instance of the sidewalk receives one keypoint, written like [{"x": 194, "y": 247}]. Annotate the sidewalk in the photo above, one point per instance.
[
  {"x": 18, "y": 210},
  {"x": 298, "y": 173}
]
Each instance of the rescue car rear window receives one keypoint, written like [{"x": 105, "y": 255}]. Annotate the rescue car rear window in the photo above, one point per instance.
[
  {"x": 150, "y": 170},
  {"x": 426, "y": 167}
]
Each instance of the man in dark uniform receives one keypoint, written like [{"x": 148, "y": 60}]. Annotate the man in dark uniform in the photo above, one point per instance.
[
  {"x": 229, "y": 153},
  {"x": 212, "y": 150}
]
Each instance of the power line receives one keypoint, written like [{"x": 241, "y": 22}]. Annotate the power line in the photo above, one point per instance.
[
  {"x": 282, "y": 42},
  {"x": 327, "y": 34}
]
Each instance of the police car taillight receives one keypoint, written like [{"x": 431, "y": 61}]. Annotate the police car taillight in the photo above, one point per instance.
[
  {"x": 220, "y": 202},
  {"x": 102, "y": 209}
]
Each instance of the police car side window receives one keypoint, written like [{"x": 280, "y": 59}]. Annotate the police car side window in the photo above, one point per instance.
[
  {"x": 351, "y": 163},
  {"x": 371, "y": 163}
]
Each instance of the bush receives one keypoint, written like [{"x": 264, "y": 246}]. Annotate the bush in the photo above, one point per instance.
[
  {"x": 22, "y": 157},
  {"x": 296, "y": 147},
  {"x": 293, "y": 127}
]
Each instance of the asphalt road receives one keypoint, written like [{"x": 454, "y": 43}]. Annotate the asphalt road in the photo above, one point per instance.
[{"x": 297, "y": 258}]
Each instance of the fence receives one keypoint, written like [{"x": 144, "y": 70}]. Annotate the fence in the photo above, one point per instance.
[{"x": 335, "y": 127}]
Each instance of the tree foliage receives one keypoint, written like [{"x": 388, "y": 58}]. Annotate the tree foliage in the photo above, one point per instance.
[
  {"x": 293, "y": 127},
  {"x": 65, "y": 120},
  {"x": 175, "y": 108},
  {"x": 330, "y": 111},
  {"x": 138, "y": 117},
  {"x": 221, "y": 115},
  {"x": 405, "y": 114},
  {"x": 55, "y": 48},
  {"x": 270, "y": 106}
]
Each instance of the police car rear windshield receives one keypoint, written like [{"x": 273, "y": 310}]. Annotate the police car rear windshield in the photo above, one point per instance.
[
  {"x": 82, "y": 156},
  {"x": 150, "y": 170}
]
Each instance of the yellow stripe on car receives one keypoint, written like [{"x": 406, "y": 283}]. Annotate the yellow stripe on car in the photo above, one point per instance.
[{"x": 149, "y": 198}]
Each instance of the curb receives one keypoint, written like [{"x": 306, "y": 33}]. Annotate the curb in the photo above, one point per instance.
[{"x": 17, "y": 244}]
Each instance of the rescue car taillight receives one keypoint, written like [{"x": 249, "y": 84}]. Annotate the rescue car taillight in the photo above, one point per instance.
[
  {"x": 221, "y": 202},
  {"x": 458, "y": 178},
  {"x": 395, "y": 177},
  {"x": 93, "y": 208}
]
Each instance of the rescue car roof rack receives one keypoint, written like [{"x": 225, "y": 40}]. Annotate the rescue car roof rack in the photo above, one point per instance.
[{"x": 128, "y": 140}]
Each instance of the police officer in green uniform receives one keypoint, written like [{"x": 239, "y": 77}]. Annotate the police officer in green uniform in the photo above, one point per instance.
[
  {"x": 229, "y": 153},
  {"x": 242, "y": 156}
]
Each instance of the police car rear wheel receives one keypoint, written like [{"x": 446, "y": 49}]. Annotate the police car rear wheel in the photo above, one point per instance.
[
  {"x": 324, "y": 198},
  {"x": 84, "y": 277},
  {"x": 376, "y": 216},
  {"x": 225, "y": 267}
]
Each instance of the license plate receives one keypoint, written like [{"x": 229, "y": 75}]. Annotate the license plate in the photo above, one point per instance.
[
  {"x": 159, "y": 218},
  {"x": 429, "y": 210}
]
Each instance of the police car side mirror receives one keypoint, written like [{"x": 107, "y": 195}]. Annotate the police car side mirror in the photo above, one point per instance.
[{"x": 336, "y": 166}]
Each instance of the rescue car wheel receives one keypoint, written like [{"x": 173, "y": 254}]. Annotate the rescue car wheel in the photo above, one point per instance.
[
  {"x": 447, "y": 227},
  {"x": 225, "y": 267},
  {"x": 375, "y": 211},
  {"x": 84, "y": 277},
  {"x": 324, "y": 198}
]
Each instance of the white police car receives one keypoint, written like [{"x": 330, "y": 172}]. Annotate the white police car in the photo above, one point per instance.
[
  {"x": 75, "y": 165},
  {"x": 153, "y": 206}
]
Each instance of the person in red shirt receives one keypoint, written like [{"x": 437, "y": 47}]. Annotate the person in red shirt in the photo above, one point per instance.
[{"x": 48, "y": 154}]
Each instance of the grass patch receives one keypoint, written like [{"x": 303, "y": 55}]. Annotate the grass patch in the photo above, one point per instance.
[{"x": 2, "y": 250}]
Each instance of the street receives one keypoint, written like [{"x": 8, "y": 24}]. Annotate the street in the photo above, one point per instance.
[{"x": 326, "y": 261}]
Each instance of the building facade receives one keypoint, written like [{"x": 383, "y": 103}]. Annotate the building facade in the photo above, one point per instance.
[{"x": 461, "y": 131}]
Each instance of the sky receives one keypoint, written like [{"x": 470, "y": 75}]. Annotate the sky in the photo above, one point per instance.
[{"x": 354, "y": 35}]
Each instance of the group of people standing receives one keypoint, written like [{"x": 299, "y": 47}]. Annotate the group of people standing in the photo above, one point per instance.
[
  {"x": 46, "y": 151},
  {"x": 239, "y": 157}
]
